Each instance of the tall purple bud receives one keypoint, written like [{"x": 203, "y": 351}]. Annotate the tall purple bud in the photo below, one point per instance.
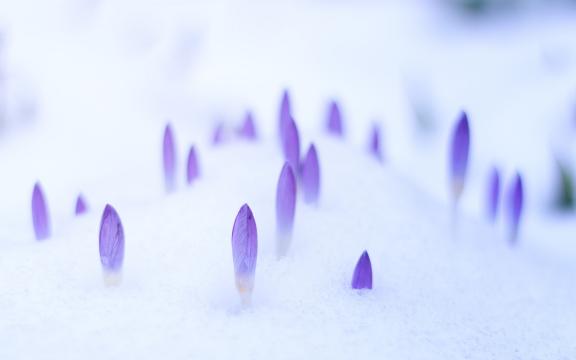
[
  {"x": 81, "y": 206},
  {"x": 244, "y": 251},
  {"x": 362, "y": 278},
  {"x": 40, "y": 216},
  {"x": 248, "y": 129},
  {"x": 218, "y": 134},
  {"x": 285, "y": 209},
  {"x": 111, "y": 245},
  {"x": 192, "y": 168},
  {"x": 291, "y": 144},
  {"x": 515, "y": 205},
  {"x": 374, "y": 144},
  {"x": 459, "y": 156},
  {"x": 310, "y": 176},
  {"x": 493, "y": 194},
  {"x": 285, "y": 113},
  {"x": 169, "y": 158},
  {"x": 334, "y": 124}
]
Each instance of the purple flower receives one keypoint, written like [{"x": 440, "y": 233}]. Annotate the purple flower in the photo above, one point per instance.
[
  {"x": 244, "y": 251},
  {"x": 192, "y": 170},
  {"x": 169, "y": 158},
  {"x": 362, "y": 278},
  {"x": 285, "y": 114},
  {"x": 291, "y": 144},
  {"x": 310, "y": 176},
  {"x": 459, "y": 155},
  {"x": 285, "y": 208},
  {"x": 374, "y": 145},
  {"x": 515, "y": 204},
  {"x": 218, "y": 135},
  {"x": 40, "y": 216},
  {"x": 334, "y": 124},
  {"x": 248, "y": 129},
  {"x": 493, "y": 194},
  {"x": 81, "y": 206},
  {"x": 111, "y": 241}
]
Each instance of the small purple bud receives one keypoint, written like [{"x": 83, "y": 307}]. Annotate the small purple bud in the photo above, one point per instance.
[
  {"x": 285, "y": 208},
  {"x": 310, "y": 176},
  {"x": 111, "y": 241},
  {"x": 218, "y": 135},
  {"x": 285, "y": 114},
  {"x": 459, "y": 155},
  {"x": 334, "y": 124},
  {"x": 248, "y": 129},
  {"x": 169, "y": 158},
  {"x": 244, "y": 251},
  {"x": 40, "y": 216},
  {"x": 81, "y": 206},
  {"x": 362, "y": 278},
  {"x": 192, "y": 169},
  {"x": 493, "y": 194},
  {"x": 291, "y": 144},
  {"x": 515, "y": 204},
  {"x": 374, "y": 145}
]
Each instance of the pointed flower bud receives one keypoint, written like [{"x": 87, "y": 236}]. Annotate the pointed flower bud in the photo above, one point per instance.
[
  {"x": 192, "y": 169},
  {"x": 374, "y": 144},
  {"x": 285, "y": 112},
  {"x": 244, "y": 251},
  {"x": 291, "y": 144},
  {"x": 285, "y": 209},
  {"x": 111, "y": 244},
  {"x": 40, "y": 216},
  {"x": 515, "y": 205},
  {"x": 218, "y": 134},
  {"x": 459, "y": 155},
  {"x": 248, "y": 129},
  {"x": 81, "y": 206},
  {"x": 310, "y": 176},
  {"x": 493, "y": 194},
  {"x": 362, "y": 278},
  {"x": 169, "y": 158},
  {"x": 334, "y": 124},
  {"x": 564, "y": 192}
]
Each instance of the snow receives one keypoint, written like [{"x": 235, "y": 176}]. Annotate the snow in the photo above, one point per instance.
[{"x": 105, "y": 77}]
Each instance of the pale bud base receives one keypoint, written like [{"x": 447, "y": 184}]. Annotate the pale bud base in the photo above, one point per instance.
[
  {"x": 283, "y": 241},
  {"x": 112, "y": 278}
]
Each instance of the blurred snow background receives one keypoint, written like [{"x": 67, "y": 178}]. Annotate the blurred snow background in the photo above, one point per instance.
[{"x": 86, "y": 87}]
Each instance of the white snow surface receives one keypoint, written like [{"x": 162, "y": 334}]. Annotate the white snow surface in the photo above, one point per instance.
[{"x": 106, "y": 76}]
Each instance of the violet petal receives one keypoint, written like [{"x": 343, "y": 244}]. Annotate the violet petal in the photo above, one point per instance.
[
  {"x": 374, "y": 145},
  {"x": 244, "y": 250},
  {"x": 515, "y": 206},
  {"x": 285, "y": 208},
  {"x": 291, "y": 144},
  {"x": 493, "y": 194},
  {"x": 285, "y": 113},
  {"x": 334, "y": 124},
  {"x": 310, "y": 176},
  {"x": 169, "y": 158},
  {"x": 111, "y": 240},
  {"x": 81, "y": 206},
  {"x": 40, "y": 216},
  {"x": 459, "y": 155},
  {"x": 362, "y": 278},
  {"x": 248, "y": 129},
  {"x": 192, "y": 168},
  {"x": 218, "y": 134}
]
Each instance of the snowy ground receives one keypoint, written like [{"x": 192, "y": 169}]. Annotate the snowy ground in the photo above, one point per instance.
[{"x": 105, "y": 76}]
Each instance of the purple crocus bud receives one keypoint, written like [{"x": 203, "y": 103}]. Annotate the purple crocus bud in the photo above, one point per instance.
[
  {"x": 334, "y": 124},
  {"x": 515, "y": 204},
  {"x": 169, "y": 158},
  {"x": 285, "y": 208},
  {"x": 291, "y": 144},
  {"x": 218, "y": 135},
  {"x": 374, "y": 145},
  {"x": 362, "y": 278},
  {"x": 310, "y": 176},
  {"x": 192, "y": 169},
  {"x": 40, "y": 216},
  {"x": 284, "y": 115},
  {"x": 248, "y": 129},
  {"x": 459, "y": 155},
  {"x": 493, "y": 194},
  {"x": 111, "y": 245},
  {"x": 81, "y": 206},
  {"x": 244, "y": 251}
]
